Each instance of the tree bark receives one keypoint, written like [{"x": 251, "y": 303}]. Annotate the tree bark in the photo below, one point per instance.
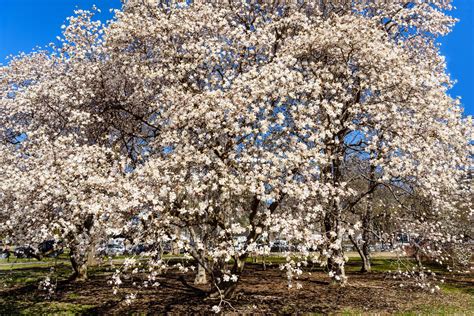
[
  {"x": 91, "y": 255},
  {"x": 367, "y": 225},
  {"x": 365, "y": 260},
  {"x": 366, "y": 237},
  {"x": 335, "y": 261},
  {"x": 201, "y": 277},
  {"x": 174, "y": 245},
  {"x": 365, "y": 256},
  {"x": 81, "y": 256},
  {"x": 79, "y": 265}
]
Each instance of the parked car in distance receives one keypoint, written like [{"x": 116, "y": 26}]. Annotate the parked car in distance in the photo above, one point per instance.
[
  {"x": 167, "y": 247},
  {"x": 24, "y": 252},
  {"x": 115, "y": 250},
  {"x": 138, "y": 249},
  {"x": 50, "y": 248},
  {"x": 279, "y": 245},
  {"x": 348, "y": 247},
  {"x": 239, "y": 242},
  {"x": 4, "y": 253},
  {"x": 114, "y": 247}
]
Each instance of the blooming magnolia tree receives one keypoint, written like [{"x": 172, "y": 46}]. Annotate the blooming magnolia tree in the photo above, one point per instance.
[
  {"x": 200, "y": 123},
  {"x": 57, "y": 192}
]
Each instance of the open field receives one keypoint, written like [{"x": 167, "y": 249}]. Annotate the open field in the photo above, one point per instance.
[{"x": 259, "y": 292}]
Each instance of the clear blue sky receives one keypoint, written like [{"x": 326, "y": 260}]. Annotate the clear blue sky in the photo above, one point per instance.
[{"x": 25, "y": 24}]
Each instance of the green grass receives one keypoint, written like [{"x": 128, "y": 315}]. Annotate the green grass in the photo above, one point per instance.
[
  {"x": 56, "y": 308},
  {"x": 73, "y": 296},
  {"x": 454, "y": 288},
  {"x": 31, "y": 274},
  {"x": 19, "y": 263},
  {"x": 378, "y": 265},
  {"x": 21, "y": 260},
  {"x": 23, "y": 266},
  {"x": 351, "y": 311},
  {"x": 389, "y": 264},
  {"x": 427, "y": 310},
  {"x": 436, "y": 310}
]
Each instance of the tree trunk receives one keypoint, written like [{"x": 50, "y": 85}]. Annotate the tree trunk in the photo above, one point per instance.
[
  {"x": 366, "y": 237},
  {"x": 201, "y": 277},
  {"x": 332, "y": 227},
  {"x": 366, "y": 266},
  {"x": 365, "y": 259},
  {"x": 367, "y": 225},
  {"x": 81, "y": 256},
  {"x": 79, "y": 266},
  {"x": 91, "y": 255},
  {"x": 174, "y": 245},
  {"x": 227, "y": 289},
  {"x": 338, "y": 269},
  {"x": 81, "y": 259},
  {"x": 335, "y": 261}
]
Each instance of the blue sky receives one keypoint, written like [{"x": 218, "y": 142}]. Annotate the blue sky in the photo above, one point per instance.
[
  {"x": 25, "y": 24},
  {"x": 458, "y": 47}
]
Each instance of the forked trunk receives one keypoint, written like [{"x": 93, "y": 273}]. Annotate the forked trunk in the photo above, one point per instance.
[{"x": 363, "y": 255}]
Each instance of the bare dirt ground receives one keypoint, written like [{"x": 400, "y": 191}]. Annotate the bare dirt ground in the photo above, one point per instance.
[{"x": 260, "y": 292}]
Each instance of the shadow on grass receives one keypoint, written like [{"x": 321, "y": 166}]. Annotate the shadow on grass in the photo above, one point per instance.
[{"x": 266, "y": 289}]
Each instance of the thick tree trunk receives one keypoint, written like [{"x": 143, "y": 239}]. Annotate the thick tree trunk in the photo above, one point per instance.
[
  {"x": 201, "y": 277},
  {"x": 81, "y": 256},
  {"x": 79, "y": 266},
  {"x": 174, "y": 245},
  {"x": 91, "y": 255}
]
